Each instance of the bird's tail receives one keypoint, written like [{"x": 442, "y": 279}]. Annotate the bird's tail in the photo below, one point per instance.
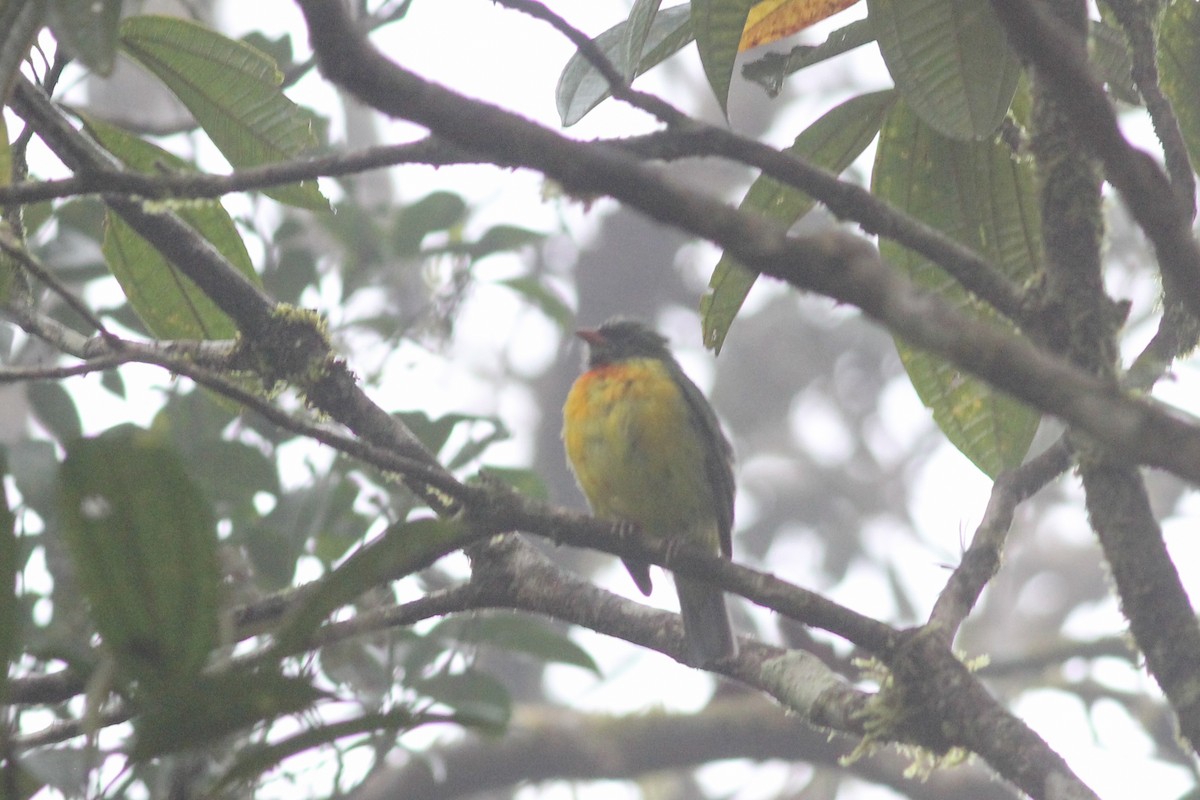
[{"x": 705, "y": 621}]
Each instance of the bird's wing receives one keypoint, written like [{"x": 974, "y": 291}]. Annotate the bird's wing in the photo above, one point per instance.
[{"x": 718, "y": 458}]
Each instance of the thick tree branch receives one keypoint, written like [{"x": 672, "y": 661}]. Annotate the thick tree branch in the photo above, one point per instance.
[
  {"x": 510, "y": 574},
  {"x": 1151, "y": 592},
  {"x": 954, "y": 708},
  {"x": 546, "y": 744},
  {"x": 1153, "y": 201},
  {"x": 1152, "y": 596}
]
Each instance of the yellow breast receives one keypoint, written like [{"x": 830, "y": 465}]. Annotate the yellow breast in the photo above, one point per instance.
[{"x": 636, "y": 451}]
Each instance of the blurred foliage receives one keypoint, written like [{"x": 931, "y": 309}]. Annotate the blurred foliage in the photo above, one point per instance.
[{"x": 135, "y": 548}]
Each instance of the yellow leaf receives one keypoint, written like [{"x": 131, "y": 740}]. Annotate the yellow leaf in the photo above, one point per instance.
[{"x": 772, "y": 20}]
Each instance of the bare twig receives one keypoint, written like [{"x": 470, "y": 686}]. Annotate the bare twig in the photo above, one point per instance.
[
  {"x": 196, "y": 185},
  {"x": 982, "y": 559},
  {"x": 1138, "y": 21}
]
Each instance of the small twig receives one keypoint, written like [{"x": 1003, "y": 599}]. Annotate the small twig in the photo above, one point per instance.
[
  {"x": 19, "y": 374},
  {"x": 428, "y": 151},
  {"x": 16, "y": 251},
  {"x": 1137, "y": 20},
  {"x": 618, "y": 86},
  {"x": 982, "y": 559}
]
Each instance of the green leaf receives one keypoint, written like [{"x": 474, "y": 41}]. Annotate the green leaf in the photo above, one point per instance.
[
  {"x": 233, "y": 91},
  {"x": 477, "y": 699},
  {"x": 504, "y": 239},
  {"x": 718, "y": 25},
  {"x": 189, "y": 715},
  {"x": 832, "y": 142},
  {"x": 279, "y": 49},
  {"x": 1110, "y": 54},
  {"x": 88, "y": 30},
  {"x": 111, "y": 380},
  {"x": 258, "y": 758},
  {"x": 581, "y": 88},
  {"x": 65, "y": 769},
  {"x": 984, "y": 197},
  {"x": 437, "y": 211},
  {"x": 1179, "y": 68},
  {"x": 6, "y": 161},
  {"x": 526, "y": 481},
  {"x": 476, "y": 445},
  {"x": 772, "y": 69},
  {"x": 34, "y": 468},
  {"x": 10, "y": 272},
  {"x": 166, "y": 300},
  {"x": 432, "y": 432},
  {"x": 516, "y": 634},
  {"x": 54, "y": 408},
  {"x": 404, "y": 548},
  {"x": 633, "y": 38},
  {"x": 19, "y": 24},
  {"x": 950, "y": 61},
  {"x": 143, "y": 543},
  {"x": 548, "y": 301}
]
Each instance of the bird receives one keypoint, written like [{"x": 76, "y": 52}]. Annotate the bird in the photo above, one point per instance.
[{"x": 648, "y": 451}]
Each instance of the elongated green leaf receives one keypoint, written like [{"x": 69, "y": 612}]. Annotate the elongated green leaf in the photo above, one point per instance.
[
  {"x": 832, "y": 142},
  {"x": 192, "y": 714},
  {"x": 436, "y": 211},
  {"x": 404, "y": 548},
  {"x": 258, "y": 758},
  {"x": 9, "y": 271},
  {"x": 144, "y": 546},
  {"x": 770, "y": 71},
  {"x": 6, "y": 161},
  {"x": 88, "y": 30},
  {"x": 633, "y": 41},
  {"x": 517, "y": 634},
  {"x": 503, "y": 239},
  {"x": 1179, "y": 68},
  {"x": 718, "y": 25},
  {"x": 234, "y": 93},
  {"x": 167, "y": 301},
  {"x": 19, "y": 24},
  {"x": 982, "y": 196},
  {"x": 1110, "y": 54},
  {"x": 581, "y": 88},
  {"x": 950, "y": 61},
  {"x": 477, "y": 699},
  {"x": 55, "y": 409},
  {"x": 544, "y": 297}
]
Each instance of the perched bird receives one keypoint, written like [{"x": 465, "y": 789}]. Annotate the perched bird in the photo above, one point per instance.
[{"x": 646, "y": 449}]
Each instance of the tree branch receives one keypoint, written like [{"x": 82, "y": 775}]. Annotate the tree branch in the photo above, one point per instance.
[
  {"x": 1149, "y": 195},
  {"x": 158, "y": 186},
  {"x": 982, "y": 559},
  {"x": 954, "y": 708},
  {"x": 545, "y": 744},
  {"x": 1138, "y": 20}
]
